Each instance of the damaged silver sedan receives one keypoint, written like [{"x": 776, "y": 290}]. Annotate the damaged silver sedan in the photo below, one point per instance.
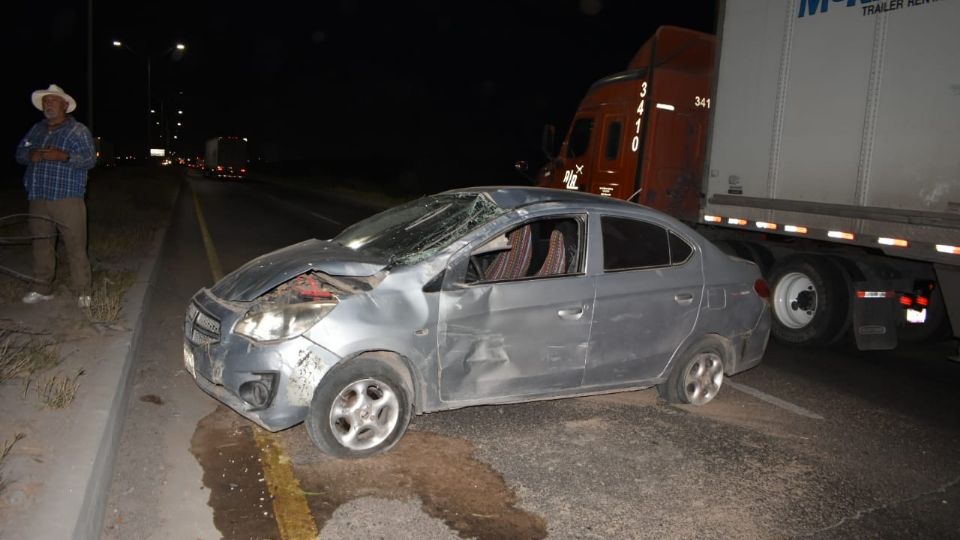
[{"x": 469, "y": 297}]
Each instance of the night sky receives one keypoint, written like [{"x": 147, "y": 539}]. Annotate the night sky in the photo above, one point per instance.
[{"x": 433, "y": 88}]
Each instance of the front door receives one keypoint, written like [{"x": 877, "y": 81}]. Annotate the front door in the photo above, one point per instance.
[{"x": 524, "y": 334}]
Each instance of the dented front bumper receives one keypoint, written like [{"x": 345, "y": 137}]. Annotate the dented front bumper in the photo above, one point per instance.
[{"x": 271, "y": 383}]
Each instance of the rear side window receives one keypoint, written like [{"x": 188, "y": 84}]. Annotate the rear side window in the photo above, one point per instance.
[
  {"x": 580, "y": 137},
  {"x": 629, "y": 243},
  {"x": 680, "y": 250}
]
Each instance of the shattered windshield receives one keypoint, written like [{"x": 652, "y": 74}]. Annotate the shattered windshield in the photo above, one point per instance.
[{"x": 416, "y": 230}]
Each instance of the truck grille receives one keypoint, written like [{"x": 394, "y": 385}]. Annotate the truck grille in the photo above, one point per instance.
[{"x": 201, "y": 328}]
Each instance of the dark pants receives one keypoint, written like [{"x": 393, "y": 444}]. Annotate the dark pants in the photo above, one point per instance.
[{"x": 68, "y": 217}]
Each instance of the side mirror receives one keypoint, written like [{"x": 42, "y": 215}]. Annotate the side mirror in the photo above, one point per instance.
[{"x": 548, "y": 141}]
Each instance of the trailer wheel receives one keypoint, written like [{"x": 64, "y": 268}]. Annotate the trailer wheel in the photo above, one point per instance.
[{"x": 811, "y": 303}]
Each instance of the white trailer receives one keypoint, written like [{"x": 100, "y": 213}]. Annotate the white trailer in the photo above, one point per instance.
[{"x": 834, "y": 162}]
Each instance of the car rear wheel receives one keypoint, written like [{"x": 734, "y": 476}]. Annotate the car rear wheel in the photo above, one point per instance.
[
  {"x": 360, "y": 409},
  {"x": 697, "y": 378},
  {"x": 810, "y": 301}
]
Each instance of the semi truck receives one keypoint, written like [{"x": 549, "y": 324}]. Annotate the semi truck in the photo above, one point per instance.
[
  {"x": 226, "y": 157},
  {"x": 816, "y": 138}
]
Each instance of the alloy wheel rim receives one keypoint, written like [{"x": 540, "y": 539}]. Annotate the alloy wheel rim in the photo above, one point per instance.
[
  {"x": 364, "y": 414},
  {"x": 703, "y": 378}
]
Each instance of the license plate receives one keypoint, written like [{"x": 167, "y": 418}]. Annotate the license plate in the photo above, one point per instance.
[{"x": 917, "y": 317}]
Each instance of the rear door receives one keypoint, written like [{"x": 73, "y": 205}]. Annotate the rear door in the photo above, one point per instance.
[{"x": 648, "y": 300}]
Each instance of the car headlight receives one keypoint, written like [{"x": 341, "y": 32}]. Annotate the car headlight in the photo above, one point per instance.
[{"x": 283, "y": 322}]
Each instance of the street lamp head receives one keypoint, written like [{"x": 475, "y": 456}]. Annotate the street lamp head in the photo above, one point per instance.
[
  {"x": 181, "y": 46},
  {"x": 117, "y": 43}
]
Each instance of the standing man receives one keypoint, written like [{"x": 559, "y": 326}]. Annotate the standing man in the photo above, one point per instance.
[{"x": 58, "y": 151}]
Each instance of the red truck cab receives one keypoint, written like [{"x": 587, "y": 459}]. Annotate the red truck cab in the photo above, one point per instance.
[{"x": 640, "y": 134}]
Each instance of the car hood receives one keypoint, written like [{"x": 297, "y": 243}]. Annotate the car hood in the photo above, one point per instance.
[{"x": 265, "y": 272}]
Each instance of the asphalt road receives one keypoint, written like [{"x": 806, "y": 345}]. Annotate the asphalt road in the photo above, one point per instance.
[{"x": 830, "y": 443}]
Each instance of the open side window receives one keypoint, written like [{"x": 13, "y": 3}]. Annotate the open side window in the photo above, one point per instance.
[{"x": 537, "y": 249}]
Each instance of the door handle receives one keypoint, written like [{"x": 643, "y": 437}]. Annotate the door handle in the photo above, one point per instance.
[
  {"x": 570, "y": 314},
  {"x": 683, "y": 298}
]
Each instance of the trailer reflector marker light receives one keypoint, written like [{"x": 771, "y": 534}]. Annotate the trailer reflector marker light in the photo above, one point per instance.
[
  {"x": 713, "y": 219},
  {"x": 665, "y": 106},
  {"x": 765, "y": 225},
  {"x": 952, "y": 250},
  {"x": 840, "y": 235},
  {"x": 795, "y": 229},
  {"x": 736, "y": 221},
  {"x": 875, "y": 294},
  {"x": 896, "y": 242}
]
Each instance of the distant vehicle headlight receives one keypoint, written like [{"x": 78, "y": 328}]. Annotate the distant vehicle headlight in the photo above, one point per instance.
[{"x": 283, "y": 322}]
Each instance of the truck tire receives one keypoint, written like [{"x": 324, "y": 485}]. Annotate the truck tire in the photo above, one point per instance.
[{"x": 811, "y": 303}]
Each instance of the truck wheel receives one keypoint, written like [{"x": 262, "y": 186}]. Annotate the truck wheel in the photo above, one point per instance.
[
  {"x": 811, "y": 303},
  {"x": 698, "y": 375},
  {"x": 359, "y": 409}
]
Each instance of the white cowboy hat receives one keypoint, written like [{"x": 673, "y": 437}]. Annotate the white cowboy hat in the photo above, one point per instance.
[{"x": 54, "y": 90}]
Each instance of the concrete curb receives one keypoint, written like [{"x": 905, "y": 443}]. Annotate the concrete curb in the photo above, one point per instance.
[
  {"x": 76, "y": 494},
  {"x": 90, "y": 520}
]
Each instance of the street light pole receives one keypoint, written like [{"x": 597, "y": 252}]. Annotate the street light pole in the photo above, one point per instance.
[
  {"x": 149, "y": 59},
  {"x": 149, "y": 109}
]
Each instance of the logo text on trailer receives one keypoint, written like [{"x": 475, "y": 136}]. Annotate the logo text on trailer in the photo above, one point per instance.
[{"x": 868, "y": 7}]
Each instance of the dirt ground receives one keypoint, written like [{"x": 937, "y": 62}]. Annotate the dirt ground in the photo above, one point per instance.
[{"x": 75, "y": 338}]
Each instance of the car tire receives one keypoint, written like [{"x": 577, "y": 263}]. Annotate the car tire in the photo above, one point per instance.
[
  {"x": 360, "y": 409},
  {"x": 810, "y": 300},
  {"x": 698, "y": 375}
]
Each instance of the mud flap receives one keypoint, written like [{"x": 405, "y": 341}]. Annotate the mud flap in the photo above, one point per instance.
[{"x": 874, "y": 318}]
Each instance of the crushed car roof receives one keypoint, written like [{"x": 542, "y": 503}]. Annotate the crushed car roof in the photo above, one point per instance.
[{"x": 519, "y": 196}]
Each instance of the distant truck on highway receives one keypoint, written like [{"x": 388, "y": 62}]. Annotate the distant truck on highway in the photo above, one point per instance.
[
  {"x": 104, "y": 151},
  {"x": 226, "y": 157},
  {"x": 826, "y": 150}
]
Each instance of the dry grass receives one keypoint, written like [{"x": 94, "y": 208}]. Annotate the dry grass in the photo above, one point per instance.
[
  {"x": 22, "y": 354},
  {"x": 10, "y": 288},
  {"x": 56, "y": 392},
  {"x": 106, "y": 298},
  {"x": 5, "y": 450},
  {"x": 110, "y": 244}
]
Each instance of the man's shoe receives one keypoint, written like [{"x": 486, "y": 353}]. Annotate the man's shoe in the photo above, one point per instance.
[
  {"x": 33, "y": 297},
  {"x": 83, "y": 301}
]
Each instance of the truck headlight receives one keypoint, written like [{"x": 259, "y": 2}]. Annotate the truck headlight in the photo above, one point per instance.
[{"x": 283, "y": 322}]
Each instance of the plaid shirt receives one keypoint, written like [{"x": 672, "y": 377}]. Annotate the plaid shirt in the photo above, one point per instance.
[{"x": 53, "y": 180}]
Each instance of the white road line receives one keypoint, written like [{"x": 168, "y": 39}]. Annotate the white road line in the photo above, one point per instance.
[{"x": 763, "y": 396}]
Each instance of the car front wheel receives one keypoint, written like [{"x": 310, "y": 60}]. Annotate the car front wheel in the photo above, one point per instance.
[
  {"x": 697, "y": 377},
  {"x": 359, "y": 409}
]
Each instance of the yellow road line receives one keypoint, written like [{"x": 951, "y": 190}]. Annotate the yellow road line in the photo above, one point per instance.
[
  {"x": 289, "y": 503},
  {"x": 215, "y": 269},
  {"x": 290, "y": 508}
]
